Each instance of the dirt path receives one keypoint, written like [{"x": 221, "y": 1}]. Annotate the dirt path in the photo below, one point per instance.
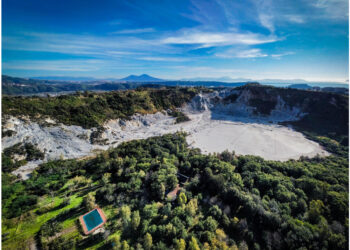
[{"x": 65, "y": 231}]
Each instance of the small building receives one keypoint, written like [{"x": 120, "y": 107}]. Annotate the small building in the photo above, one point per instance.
[
  {"x": 172, "y": 194},
  {"x": 92, "y": 220},
  {"x": 182, "y": 180}
]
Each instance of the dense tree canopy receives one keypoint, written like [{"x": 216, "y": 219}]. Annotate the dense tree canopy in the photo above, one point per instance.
[{"x": 228, "y": 201}]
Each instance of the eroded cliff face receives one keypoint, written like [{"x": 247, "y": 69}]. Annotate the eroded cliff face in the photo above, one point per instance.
[
  {"x": 244, "y": 105},
  {"x": 233, "y": 112}
]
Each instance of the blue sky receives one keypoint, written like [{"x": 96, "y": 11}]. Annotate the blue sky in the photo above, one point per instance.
[{"x": 258, "y": 39}]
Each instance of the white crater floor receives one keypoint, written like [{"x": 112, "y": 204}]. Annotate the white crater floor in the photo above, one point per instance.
[{"x": 270, "y": 141}]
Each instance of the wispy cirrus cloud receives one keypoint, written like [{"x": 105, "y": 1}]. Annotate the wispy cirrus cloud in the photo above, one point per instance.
[
  {"x": 162, "y": 59},
  {"x": 134, "y": 31},
  {"x": 265, "y": 10},
  {"x": 242, "y": 53},
  {"x": 124, "y": 53},
  {"x": 86, "y": 44},
  {"x": 208, "y": 14},
  {"x": 334, "y": 9},
  {"x": 111, "y": 46},
  {"x": 72, "y": 65},
  {"x": 275, "y": 14},
  {"x": 295, "y": 18},
  {"x": 208, "y": 39},
  {"x": 250, "y": 53},
  {"x": 54, "y": 65},
  {"x": 278, "y": 56}
]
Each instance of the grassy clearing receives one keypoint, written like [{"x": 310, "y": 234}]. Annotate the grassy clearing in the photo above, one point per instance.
[{"x": 24, "y": 228}]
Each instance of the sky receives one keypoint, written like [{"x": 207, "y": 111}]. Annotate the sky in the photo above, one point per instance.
[{"x": 256, "y": 39}]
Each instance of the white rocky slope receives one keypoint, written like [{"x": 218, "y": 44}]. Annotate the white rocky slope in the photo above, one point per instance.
[
  {"x": 214, "y": 127},
  {"x": 240, "y": 109}
]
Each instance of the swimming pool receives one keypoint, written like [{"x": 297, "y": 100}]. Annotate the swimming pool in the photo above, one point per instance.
[{"x": 92, "y": 220}]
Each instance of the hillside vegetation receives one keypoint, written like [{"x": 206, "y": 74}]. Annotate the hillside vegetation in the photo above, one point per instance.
[
  {"x": 21, "y": 86},
  {"x": 228, "y": 202},
  {"x": 93, "y": 109}
]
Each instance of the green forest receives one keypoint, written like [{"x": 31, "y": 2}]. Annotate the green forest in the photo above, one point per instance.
[
  {"x": 21, "y": 86},
  {"x": 227, "y": 202}
]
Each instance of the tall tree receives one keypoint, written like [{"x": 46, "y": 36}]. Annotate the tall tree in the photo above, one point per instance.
[
  {"x": 89, "y": 201},
  {"x": 135, "y": 220},
  {"x": 193, "y": 245},
  {"x": 180, "y": 244},
  {"x": 147, "y": 241}
]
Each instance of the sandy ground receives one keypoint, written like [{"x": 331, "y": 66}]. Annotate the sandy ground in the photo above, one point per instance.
[{"x": 211, "y": 130}]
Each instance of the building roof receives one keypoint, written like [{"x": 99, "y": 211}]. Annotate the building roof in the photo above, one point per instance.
[{"x": 172, "y": 194}]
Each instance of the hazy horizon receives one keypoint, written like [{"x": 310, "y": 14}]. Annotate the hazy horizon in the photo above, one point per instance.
[{"x": 222, "y": 79}]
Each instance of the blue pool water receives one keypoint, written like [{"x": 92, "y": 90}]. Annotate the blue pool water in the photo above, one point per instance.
[{"x": 92, "y": 219}]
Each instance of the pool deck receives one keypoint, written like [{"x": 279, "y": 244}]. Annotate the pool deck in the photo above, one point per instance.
[{"x": 82, "y": 222}]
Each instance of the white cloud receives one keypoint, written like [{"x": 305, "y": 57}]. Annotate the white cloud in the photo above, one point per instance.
[
  {"x": 334, "y": 9},
  {"x": 278, "y": 56},
  {"x": 249, "y": 53},
  {"x": 123, "y": 53},
  {"x": 125, "y": 47},
  {"x": 275, "y": 14},
  {"x": 295, "y": 18},
  {"x": 163, "y": 59},
  {"x": 208, "y": 39},
  {"x": 266, "y": 14},
  {"x": 266, "y": 20},
  {"x": 100, "y": 46},
  {"x": 207, "y": 71},
  {"x": 245, "y": 53},
  {"x": 134, "y": 31},
  {"x": 56, "y": 65}
]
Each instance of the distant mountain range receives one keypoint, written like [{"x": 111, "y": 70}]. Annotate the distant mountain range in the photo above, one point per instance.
[
  {"x": 229, "y": 79},
  {"x": 22, "y": 86},
  {"x": 223, "y": 80},
  {"x": 141, "y": 78},
  {"x": 274, "y": 82},
  {"x": 217, "y": 79},
  {"x": 130, "y": 78}
]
